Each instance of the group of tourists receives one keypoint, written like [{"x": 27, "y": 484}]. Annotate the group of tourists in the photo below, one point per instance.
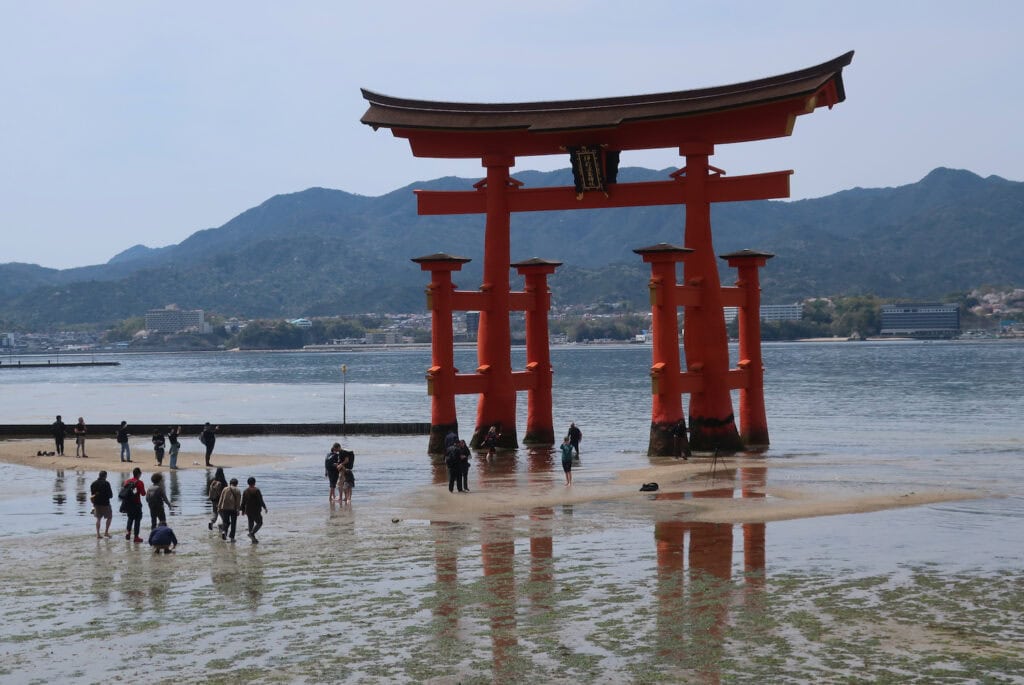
[
  {"x": 225, "y": 497},
  {"x": 161, "y": 441}
]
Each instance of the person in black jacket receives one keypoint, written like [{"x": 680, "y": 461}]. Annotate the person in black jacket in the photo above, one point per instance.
[
  {"x": 100, "y": 495},
  {"x": 208, "y": 437},
  {"x": 122, "y": 440},
  {"x": 58, "y": 436}
]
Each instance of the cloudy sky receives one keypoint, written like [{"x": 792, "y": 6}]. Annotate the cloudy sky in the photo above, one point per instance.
[{"x": 143, "y": 122}]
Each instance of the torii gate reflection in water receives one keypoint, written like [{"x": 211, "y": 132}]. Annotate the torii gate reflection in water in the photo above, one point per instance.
[{"x": 594, "y": 133}]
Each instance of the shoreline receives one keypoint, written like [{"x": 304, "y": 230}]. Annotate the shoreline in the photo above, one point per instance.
[{"x": 104, "y": 455}]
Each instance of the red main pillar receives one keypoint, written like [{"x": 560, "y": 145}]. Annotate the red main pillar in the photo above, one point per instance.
[
  {"x": 753, "y": 419},
  {"x": 712, "y": 423},
  {"x": 441, "y": 375},
  {"x": 497, "y": 404},
  {"x": 666, "y": 391},
  {"x": 540, "y": 428}
]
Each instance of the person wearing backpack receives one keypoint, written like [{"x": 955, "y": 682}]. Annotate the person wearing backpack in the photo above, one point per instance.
[
  {"x": 122, "y": 440},
  {"x": 229, "y": 504},
  {"x": 131, "y": 494},
  {"x": 575, "y": 435},
  {"x": 217, "y": 486}
]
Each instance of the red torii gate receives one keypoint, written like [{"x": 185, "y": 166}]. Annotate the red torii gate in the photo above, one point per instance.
[{"x": 595, "y": 132}]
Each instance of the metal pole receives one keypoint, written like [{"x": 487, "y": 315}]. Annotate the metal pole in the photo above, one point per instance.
[{"x": 344, "y": 399}]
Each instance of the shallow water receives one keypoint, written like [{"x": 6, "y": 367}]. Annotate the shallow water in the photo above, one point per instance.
[{"x": 522, "y": 580}]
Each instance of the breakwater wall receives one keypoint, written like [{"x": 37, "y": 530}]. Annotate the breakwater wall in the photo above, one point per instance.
[{"x": 107, "y": 430}]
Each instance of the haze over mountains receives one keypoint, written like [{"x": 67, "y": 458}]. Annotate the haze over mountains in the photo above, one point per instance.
[{"x": 324, "y": 252}]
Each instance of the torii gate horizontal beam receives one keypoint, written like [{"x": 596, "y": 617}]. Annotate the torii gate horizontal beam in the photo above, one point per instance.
[{"x": 768, "y": 186}]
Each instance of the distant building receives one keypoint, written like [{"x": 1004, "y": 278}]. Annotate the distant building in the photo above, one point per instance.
[
  {"x": 472, "y": 324},
  {"x": 301, "y": 323},
  {"x": 925, "y": 320},
  {"x": 771, "y": 312},
  {"x": 6, "y": 340},
  {"x": 170, "y": 319}
]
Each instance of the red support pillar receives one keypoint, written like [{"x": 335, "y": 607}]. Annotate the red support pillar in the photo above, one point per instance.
[
  {"x": 753, "y": 419},
  {"x": 539, "y": 422},
  {"x": 712, "y": 423},
  {"x": 441, "y": 374},
  {"x": 497, "y": 405},
  {"x": 666, "y": 386}
]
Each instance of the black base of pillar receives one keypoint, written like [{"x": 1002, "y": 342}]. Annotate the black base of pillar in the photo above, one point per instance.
[
  {"x": 663, "y": 442},
  {"x": 709, "y": 435},
  {"x": 438, "y": 433},
  {"x": 539, "y": 436},
  {"x": 756, "y": 441}
]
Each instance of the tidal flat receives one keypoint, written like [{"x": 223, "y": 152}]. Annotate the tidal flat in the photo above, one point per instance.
[{"x": 603, "y": 589}]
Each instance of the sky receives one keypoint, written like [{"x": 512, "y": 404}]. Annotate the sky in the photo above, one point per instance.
[{"x": 125, "y": 123}]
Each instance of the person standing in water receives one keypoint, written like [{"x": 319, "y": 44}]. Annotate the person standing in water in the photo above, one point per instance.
[
  {"x": 156, "y": 498},
  {"x": 332, "y": 467},
  {"x": 566, "y": 448},
  {"x": 575, "y": 435},
  {"x": 133, "y": 503},
  {"x": 101, "y": 494}
]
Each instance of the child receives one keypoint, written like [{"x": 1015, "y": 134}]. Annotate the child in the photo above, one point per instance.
[{"x": 348, "y": 481}]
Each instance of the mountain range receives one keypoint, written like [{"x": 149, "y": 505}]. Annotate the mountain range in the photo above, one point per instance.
[{"x": 322, "y": 252}]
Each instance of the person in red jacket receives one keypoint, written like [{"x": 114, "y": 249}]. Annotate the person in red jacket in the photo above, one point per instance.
[{"x": 132, "y": 505}]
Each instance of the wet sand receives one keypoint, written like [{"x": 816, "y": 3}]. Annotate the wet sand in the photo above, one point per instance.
[{"x": 104, "y": 454}]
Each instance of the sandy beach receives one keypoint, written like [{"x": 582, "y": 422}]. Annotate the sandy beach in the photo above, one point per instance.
[{"x": 104, "y": 454}]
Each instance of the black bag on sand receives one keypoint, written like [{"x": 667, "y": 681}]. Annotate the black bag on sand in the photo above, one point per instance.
[{"x": 648, "y": 487}]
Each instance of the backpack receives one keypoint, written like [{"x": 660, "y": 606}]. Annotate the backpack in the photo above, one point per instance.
[
  {"x": 127, "y": 492},
  {"x": 215, "y": 489}
]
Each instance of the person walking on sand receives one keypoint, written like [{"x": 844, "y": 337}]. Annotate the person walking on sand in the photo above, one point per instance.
[
  {"x": 122, "y": 440},
  {"x": 80, "y": 438},
  {"x": 59, "y": 430},
  {"x": 253, "y": 507},
  {"x": 216, "y": 487},
  {"x": 566, "y": 448},
  {"x": 332, "y": 467},
  {"x": 172, "y": 437},
  {"x": 158, "y": 446},
  {"x": 230, "y": 501},
  {"x": 575, "y": 435},
  {"x": 209, "y": 438},
  {"x": 131, "y": 504},
  {"x": 156, "y": 498},
  {"x": 100, "y": 494},
  {"x": 163, "y": 539}
]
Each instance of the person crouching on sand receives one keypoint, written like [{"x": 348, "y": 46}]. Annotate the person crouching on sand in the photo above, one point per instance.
[{"x": 162, "y": 539}]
